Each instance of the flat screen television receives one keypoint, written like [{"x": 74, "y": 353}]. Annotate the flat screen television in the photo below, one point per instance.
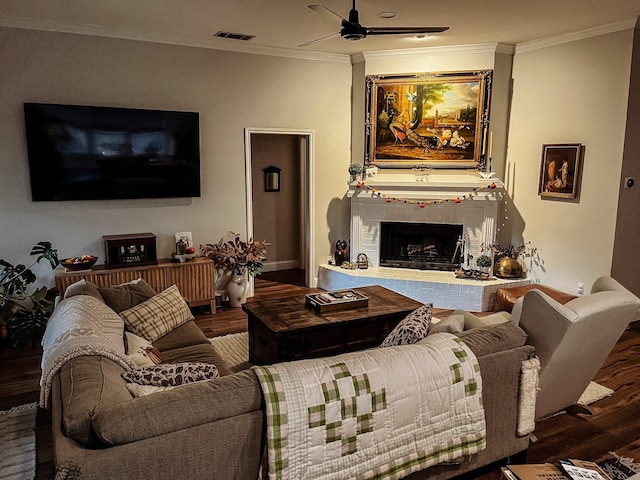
[{"x": 100, "y": 153}]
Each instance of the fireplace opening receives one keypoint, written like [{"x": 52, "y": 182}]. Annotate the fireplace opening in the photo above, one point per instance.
[{"x": 423, "y": 246}]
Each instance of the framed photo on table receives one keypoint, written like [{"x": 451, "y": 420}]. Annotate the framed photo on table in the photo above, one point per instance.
[
  {"x": 560, "y": 169},
  {"x": 435, "y": 120}
]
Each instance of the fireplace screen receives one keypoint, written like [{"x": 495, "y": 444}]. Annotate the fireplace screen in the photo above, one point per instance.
[{"x": 424, "y": 246}]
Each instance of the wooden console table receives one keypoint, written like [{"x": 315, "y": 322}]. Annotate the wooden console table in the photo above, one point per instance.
[
  {"x": 195, "y": 279},
  {"x": 283, "y": 329}
]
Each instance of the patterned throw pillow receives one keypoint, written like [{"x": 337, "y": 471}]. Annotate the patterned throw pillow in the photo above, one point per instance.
[
  {"x": 159, "y": 315},
  {"x": 412, "y": 328},
  {"x": 171, "y": 375},
  {"x": 141, "y": 351}
]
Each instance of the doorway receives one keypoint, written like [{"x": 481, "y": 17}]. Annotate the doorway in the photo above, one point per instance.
[{"x": 283, "y": 215}]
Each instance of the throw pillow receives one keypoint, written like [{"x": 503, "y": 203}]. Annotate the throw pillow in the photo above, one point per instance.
[
  {"x": 451, "y": 324},
  {"x": 141, "y": 351},
  {"x": 473, "y": 321},
  {"x": 144, "y": 390},
  {"x": 82, "y": 287},
  {"x": 159, "y": 315},
  {"x": 127, "y": 295},
  {"x": 493, "y": 338},
  {"x": 171, "y": 375},
  {"x": 412, "y": 328}
]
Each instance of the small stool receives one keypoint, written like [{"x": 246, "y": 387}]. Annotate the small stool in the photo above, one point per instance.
[{"x": 506, "y": 297}]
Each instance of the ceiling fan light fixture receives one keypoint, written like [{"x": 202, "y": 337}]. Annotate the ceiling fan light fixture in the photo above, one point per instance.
[{"x": 387, "y": 14}]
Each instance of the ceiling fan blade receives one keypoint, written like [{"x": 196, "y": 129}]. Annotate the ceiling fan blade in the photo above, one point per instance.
[
  {"x": 326, "y": 12},
  {"x": 404, "y": 30},
  {"x": 337, "y": 34}
]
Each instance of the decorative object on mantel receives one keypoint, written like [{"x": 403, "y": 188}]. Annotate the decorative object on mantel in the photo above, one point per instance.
[
  {"x": 423, "y": 203},
  {"x": 406, "y": 123},
  {"x": 472, "y": 274},
  {"x": 356, "y": 170},
  {"x": 238, "y": 259},
  {"x": 363, "y": 261},
  {"x": 506, "y": 264},
  {"x": 349, "y": 265},
  {"x": 341, "y": 255},
  {"x": 483, "y": 262},
  {"x": 507, "y": 267}
]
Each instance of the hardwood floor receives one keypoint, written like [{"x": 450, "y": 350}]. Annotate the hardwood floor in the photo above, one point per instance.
[{"x": 615, "y": 425}]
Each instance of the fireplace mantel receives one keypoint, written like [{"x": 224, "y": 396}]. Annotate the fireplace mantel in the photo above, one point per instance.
[
  {"x": 429, "y": 185},
  {"x": 452, "y": 197}
]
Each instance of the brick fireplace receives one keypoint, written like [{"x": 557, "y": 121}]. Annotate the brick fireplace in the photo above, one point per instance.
[{"x": 432, "y": 230}]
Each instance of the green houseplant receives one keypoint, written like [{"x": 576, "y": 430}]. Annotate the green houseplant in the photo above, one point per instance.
[
  {"x": 483, "y": 261},
  {"x": 24, "y": 312}
]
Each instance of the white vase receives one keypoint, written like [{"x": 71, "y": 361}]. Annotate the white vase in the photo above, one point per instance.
[{"x": 237, "y": 289}]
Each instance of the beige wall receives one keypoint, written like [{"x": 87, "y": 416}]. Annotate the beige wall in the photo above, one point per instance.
[
  {"x": 230, "y": 90},
  {"x": 573, "y": 92}
]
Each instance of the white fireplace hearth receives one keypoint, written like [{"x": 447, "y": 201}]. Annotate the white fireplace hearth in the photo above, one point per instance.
[
  {"x": 442, "y": 289},
  {"x": 453, "y": 197}
]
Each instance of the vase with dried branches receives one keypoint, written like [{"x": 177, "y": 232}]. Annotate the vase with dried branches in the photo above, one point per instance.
[{"x": 236, "y": 259}]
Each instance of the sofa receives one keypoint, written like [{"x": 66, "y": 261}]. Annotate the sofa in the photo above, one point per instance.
[{"x": 216, "y": 428}]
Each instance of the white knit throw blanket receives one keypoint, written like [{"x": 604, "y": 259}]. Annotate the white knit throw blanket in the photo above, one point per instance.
[{"x": 80, "y": 325}]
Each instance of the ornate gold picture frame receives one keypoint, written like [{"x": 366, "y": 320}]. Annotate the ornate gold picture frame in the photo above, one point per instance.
[{"x": 438, "y": 120}]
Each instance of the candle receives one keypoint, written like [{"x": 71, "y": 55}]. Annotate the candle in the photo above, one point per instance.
[{"x": 484, "y": 142}]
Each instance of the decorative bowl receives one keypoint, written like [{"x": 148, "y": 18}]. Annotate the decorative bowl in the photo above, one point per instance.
[{"x": 83, "y": 262}]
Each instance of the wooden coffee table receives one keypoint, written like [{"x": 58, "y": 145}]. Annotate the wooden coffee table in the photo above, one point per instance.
[{"x": 284, "y": 329}]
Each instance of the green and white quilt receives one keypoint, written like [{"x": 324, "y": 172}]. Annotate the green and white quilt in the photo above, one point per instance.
[{"x": 375, "y": 414}]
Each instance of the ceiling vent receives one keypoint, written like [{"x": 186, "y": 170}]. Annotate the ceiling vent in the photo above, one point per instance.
[{"x": 234, "y": 36}]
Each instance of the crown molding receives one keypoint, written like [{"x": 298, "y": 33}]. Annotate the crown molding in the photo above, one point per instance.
[
  {"x": 572, "y": 37},
  {"x": 143, "y": 36},
  {"x": 431, "y": 51}
]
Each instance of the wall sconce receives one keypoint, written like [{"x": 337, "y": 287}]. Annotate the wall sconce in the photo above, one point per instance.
[{"x": 272, "y": 179}]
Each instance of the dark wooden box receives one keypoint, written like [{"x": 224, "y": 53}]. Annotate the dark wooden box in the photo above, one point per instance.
[{"x": 130, "y": 250}]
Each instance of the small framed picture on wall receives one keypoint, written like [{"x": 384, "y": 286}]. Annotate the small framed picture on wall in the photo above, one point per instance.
[{"x": 560, "y": 170}]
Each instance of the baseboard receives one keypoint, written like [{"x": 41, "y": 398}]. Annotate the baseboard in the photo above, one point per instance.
[{"x": 281, "y": 265}]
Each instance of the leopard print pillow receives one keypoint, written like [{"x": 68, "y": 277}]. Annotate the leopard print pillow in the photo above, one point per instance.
[
  {"x": 171, "y": 374},
  {"x": 412, "y": 328}
]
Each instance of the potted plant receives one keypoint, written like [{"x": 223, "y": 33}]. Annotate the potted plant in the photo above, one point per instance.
[
  {"x": 24, "y": 313},
  {"x": 483, "y": 262},
  {"x": 237, "y": 258}
]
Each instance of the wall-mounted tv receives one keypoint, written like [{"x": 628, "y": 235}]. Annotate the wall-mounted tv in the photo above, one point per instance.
[{"x": 99, "y": 153}]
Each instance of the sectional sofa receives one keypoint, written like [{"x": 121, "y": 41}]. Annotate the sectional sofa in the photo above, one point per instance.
[{"x": 213, "y": 428}]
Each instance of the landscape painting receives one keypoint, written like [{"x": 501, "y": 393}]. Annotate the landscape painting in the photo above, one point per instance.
[{"x": 429, "y": 119}]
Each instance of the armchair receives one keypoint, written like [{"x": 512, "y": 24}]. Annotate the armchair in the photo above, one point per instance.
[{"x": 573, "y": 340}]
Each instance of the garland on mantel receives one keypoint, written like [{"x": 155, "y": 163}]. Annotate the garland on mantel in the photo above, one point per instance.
[{"x": 424, "y": 203}]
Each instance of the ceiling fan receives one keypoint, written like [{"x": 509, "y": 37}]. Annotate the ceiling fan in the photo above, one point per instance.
[{"x": 352, "y": 30}]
